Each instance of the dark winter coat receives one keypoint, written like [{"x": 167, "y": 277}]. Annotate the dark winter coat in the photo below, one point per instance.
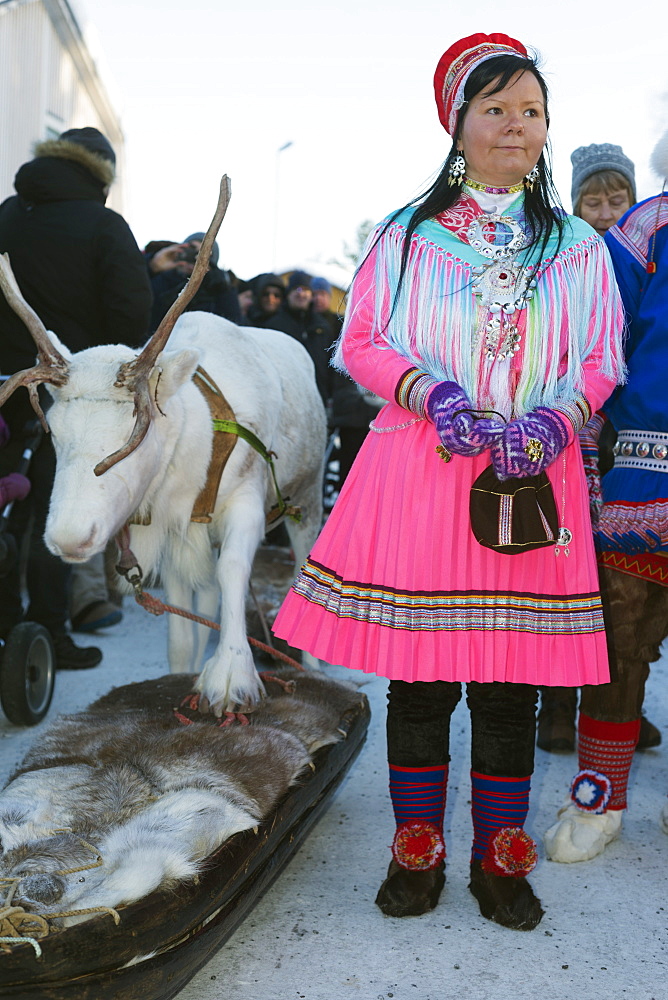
[
  {"x": 313, "y": 330},
  {"x": 76, "y": 262},
  {"x": 214, "y": 295}
]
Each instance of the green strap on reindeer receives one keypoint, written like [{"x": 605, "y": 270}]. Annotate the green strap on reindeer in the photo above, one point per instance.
[{"x": 232, "y": 427}]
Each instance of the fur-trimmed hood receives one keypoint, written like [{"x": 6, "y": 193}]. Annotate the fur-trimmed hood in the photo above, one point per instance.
[{"x": 101, "y": 168}]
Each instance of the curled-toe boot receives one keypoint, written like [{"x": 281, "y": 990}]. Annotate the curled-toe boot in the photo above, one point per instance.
[
  {"x": 499, "y": 882},
  {"x": 416, "y": 875}
]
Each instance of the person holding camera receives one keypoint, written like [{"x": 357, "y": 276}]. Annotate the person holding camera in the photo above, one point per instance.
[{"x": 169, "y": 268}]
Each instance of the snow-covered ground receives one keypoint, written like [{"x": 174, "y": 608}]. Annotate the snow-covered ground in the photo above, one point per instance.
[{"x": 317, "y": 934}]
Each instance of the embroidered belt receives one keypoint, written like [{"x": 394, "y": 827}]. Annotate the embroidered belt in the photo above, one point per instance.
[{"x": 641, "y": 450}]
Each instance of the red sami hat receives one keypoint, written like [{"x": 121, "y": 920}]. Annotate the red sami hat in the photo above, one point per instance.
[{"x": 455, "y": 66}]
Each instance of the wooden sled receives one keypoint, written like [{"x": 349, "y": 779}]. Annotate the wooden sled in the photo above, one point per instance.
[{"x": 165, "y": 938}]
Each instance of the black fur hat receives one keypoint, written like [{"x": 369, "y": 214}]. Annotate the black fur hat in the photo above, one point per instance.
[
  {"x": 87, "y": 146},
  {"x": 92, "y": 139}
]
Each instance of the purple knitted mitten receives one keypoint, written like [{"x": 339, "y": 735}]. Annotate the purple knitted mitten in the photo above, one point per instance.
[
  {"x": 529, "y": 444},
  {"x": 459, "y": 430}
]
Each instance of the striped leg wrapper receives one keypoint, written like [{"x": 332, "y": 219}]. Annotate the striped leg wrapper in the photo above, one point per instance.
[
  {"x": 496, "y": 803},
  {"x": 605, "y": 753},
  {"x": 418, "y": 800}
]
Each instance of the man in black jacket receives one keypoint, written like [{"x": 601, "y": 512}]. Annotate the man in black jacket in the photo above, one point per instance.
[
  {"x": 298, "y": 318},
  {"x": 79, "y": 267}
]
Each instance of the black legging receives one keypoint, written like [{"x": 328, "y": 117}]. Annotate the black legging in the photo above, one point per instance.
[{"x": 503, "y": 725}]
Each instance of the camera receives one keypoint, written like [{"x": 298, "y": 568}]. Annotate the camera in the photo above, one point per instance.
[{"x": 188, "y": 254}]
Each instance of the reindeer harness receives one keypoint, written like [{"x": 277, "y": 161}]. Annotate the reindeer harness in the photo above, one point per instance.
[{"x": 226, "y": 431}]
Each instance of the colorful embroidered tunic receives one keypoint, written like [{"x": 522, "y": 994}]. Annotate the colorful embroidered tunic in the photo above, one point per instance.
[
  {"x": 396, "y": 583},
  {"x": 633, "y": 532}
]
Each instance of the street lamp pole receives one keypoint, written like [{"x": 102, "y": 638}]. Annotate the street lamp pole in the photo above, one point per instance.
[{"x": 277, "y": 190}]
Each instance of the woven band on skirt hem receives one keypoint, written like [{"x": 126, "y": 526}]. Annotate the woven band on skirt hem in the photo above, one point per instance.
[{"x": 541, "y": 614}]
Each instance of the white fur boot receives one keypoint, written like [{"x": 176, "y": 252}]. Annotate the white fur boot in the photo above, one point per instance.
[{"x": 579, "y": 835}]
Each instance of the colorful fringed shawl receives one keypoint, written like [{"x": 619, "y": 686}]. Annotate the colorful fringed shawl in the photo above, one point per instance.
[
  {"x": 396, "y": 583},
  {"x": 566, "y": 320}
]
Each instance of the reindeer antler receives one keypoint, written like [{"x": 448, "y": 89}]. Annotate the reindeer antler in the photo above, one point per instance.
[
  {"x": 51, "y": 366},
  {"x": 134, "y": 375}
]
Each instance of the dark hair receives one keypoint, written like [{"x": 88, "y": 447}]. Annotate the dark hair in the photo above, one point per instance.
[{"x": 541, "y": 217}]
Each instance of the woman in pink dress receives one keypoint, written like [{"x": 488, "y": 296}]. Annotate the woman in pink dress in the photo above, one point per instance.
[{"x": 491, "y": 322}]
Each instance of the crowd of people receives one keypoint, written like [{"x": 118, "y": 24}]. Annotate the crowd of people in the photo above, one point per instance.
[
  {"x": 79, "y": 267},
  {"x": 497, "y": 389}
]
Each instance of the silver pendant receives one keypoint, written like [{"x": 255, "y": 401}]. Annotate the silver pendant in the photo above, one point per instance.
[
  {"x": 503, "y": 286},
  {"x": 564, "y": 538},
  {"x": 501, "y": 342}
]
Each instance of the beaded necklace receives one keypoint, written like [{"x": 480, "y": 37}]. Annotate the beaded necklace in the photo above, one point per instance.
[{"x": 477, "y": 186}]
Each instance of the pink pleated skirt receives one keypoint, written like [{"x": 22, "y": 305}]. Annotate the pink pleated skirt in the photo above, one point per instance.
[{"x": 397, "y": 584}]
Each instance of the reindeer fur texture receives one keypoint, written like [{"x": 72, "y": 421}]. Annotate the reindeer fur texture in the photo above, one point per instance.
[
  {"x": 154, "y": 798},
  {"x": 268, "y": 379}
]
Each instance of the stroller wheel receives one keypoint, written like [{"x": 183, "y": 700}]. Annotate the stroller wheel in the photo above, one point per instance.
[{"x": 27, "y": 674}]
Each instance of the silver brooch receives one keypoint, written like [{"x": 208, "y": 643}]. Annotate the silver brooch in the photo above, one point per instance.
[{"x": 496, "y": 236}]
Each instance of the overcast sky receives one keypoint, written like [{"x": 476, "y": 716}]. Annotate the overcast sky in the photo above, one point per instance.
[{"x": 210, "y": 88}]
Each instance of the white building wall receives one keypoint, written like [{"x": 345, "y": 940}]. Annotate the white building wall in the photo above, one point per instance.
[{"x": 48, "y": 83}]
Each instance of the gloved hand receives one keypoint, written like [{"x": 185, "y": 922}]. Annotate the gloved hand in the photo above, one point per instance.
[
  {"x": 529, "y": 444},
  {"x": 460, "y": 432},
  {"x": 13, "y": 487}
]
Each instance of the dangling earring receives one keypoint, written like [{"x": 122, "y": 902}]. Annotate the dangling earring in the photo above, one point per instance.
[
  {"x": 532, "y": 178},
  {"x": 457, "y": 170}
]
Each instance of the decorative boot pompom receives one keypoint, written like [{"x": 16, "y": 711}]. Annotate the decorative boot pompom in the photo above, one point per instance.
[
  {"x": 418, "y": 845},
  {"x": 591, "y": 791},
  {"x": 510, "y": 852}
]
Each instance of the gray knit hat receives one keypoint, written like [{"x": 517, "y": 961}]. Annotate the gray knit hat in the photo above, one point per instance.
[
  {"x": 588, "y": 160},
  {"x": 215, "y": 252}
]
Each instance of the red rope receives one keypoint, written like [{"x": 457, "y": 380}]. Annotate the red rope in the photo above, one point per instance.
[{"x": 157, "y": 607}]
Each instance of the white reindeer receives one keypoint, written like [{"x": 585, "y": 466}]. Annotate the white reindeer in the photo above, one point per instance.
[{"x": 268, "y": 380}]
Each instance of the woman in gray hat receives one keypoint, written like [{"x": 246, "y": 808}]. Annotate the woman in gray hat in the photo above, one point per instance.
[{"x": 603, "y": 186}]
